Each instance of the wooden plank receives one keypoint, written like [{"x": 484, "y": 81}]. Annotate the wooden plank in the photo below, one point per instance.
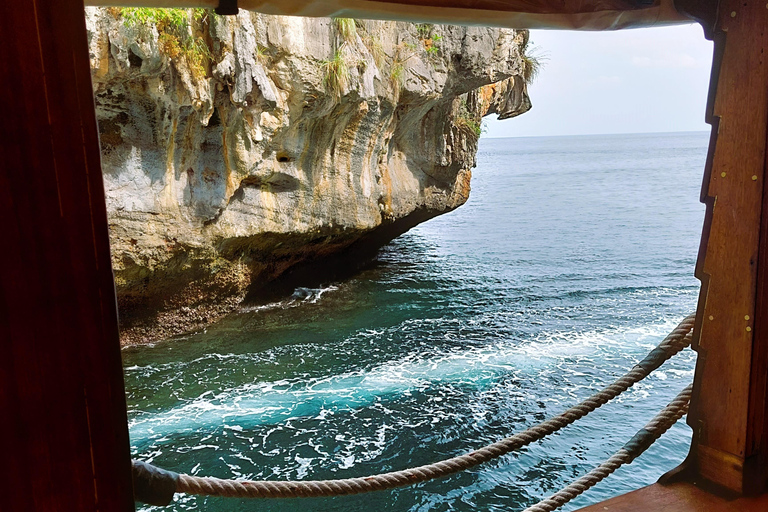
[
  {"x": 61, "y": 381},
  {"x": 723, "y": 415},
  {"x": 679, "y": 497},
  {"x": 756, "y": 459},
  {"x": 531, "y": 6}
]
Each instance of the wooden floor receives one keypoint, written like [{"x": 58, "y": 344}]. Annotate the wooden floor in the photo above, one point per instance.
[{"x": 679, "y": 497}]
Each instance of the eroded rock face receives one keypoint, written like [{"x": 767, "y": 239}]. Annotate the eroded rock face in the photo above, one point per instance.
[{"x": 294, "y": 151}]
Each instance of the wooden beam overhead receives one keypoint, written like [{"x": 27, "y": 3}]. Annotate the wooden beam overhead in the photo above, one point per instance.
[{"x": 556, "y": 14}]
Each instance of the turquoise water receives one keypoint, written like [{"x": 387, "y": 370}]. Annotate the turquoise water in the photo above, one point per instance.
[{"x": 573, "y": 257}]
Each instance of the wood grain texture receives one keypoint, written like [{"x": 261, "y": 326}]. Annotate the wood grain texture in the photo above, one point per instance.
[
  {"x": 532, "y": 6},
  {"x": 679, "y": 497},
  {"x": 756, "y": 456},
  {"x": 728, "y": 262},
  {"x": 64, "y": 432}
]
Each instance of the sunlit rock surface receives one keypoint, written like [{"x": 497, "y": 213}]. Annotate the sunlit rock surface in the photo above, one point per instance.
[{"x": 286, "y": 156}]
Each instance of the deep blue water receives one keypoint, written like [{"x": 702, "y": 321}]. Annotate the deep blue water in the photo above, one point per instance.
[{"x": 573, "y": 257}]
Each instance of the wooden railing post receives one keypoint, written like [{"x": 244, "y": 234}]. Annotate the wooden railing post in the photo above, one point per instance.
[{"x": 729, "y": 406}]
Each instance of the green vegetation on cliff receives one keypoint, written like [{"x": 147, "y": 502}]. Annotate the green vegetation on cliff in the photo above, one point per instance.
[
  {"x": 244, "y": 154},
  {"x": 174, "y": 27}
]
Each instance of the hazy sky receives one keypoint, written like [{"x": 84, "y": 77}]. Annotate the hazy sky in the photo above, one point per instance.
[{"x": 631, "y": 81}]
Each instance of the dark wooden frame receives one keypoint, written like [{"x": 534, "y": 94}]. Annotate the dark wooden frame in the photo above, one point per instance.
[
  {"x": 61, "y": 380},
  {"x": 62, "y": 397},
  {"x": 728, "y": 409}
]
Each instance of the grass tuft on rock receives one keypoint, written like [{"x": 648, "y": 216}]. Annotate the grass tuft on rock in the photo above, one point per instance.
[
  {"x": 347, "y": 28},
  {"x": 336, "y": 74},
  {"x": 467, "y": 123},
  {"x": 532, "y": 61}
]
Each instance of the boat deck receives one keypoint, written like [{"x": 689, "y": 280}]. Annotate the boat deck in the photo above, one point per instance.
[{"x": 677, "y": 497}]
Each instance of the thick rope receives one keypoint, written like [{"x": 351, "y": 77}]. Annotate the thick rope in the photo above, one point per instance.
[
  {"x": 676, "y": 341},
  {"x": 642, "y": 440}
]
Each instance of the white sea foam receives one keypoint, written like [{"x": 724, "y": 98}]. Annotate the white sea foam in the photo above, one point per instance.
[
  {"x": 299, "y": 296},
  {"x": 261, "y": 403}
]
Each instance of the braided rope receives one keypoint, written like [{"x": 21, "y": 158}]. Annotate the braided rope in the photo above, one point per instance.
[
  {"x": 676, "y": 341},
  {"x": 653, "y": 430}
]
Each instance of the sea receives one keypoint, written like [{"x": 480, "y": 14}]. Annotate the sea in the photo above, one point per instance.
[{"x": 573, "y": 257}]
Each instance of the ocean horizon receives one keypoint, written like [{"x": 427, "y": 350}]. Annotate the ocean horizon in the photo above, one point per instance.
[{"x": 486, "y": 137}]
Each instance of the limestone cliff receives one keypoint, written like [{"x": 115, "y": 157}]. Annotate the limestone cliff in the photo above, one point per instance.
[{"x": 244, "y": 154}]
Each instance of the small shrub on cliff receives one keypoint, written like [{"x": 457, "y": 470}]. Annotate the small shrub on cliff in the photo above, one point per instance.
[
  {"x": 174, "y": 18},
  {"x": 431, "y": 45},
  {"x": 336, "y": 74},
  {"x": 169, "y": 45},
  {"x": 424, "y": 30},
  {"x": 198, "y": 55},
  {"x": 195, "y": 51},
  {"x": 467, "y": 123},
  {"x": 428, "y": 38},
  {"x": 173, "y": 27},
  {"x": 177, "y": 19},
  {"x": 469, "y": 127}
]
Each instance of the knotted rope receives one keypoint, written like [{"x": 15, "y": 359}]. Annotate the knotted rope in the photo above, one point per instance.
[
  {"x": 629, "y": 452},
  {"x": 676, "y": 341}
]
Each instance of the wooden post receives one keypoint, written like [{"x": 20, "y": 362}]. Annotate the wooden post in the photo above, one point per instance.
[
  {"x": 731, "y": 335},
  {"x": 63, "y": 430}
]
